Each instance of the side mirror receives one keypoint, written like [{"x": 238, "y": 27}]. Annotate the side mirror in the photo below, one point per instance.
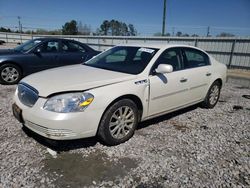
[{"x": 164, "y": 68}]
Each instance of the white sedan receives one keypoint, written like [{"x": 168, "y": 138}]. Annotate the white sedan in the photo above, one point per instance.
[{"x": 110, "y": 94}]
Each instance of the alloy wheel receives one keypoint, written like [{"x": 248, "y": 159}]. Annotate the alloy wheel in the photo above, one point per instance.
[
  {"x": 214, "y": 94},
  {"x": 121, "y": 122},
  {"x": 10, "y": 74}
]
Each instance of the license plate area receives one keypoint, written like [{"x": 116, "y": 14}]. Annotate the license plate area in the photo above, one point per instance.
[{"x": 17, "y": 112}]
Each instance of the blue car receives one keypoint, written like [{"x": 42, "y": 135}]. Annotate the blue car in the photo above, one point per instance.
[{"x": 41, "y": 54}]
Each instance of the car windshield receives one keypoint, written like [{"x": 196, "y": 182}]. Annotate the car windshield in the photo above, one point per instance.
[
  {"x": 27, "y": 45},
  {"x": 126, "y": 59}
]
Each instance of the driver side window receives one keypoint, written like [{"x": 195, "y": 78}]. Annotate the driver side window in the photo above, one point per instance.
[
  {"x": 170, "y": 57},
  {"x": 49, "y": 47}
]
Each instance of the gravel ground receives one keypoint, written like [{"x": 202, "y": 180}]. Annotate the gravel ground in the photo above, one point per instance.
[{"x": 194, "y": 147}]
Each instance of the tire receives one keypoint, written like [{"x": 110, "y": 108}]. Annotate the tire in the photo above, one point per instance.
[
  {"x": 212, "y": 96},
  {"x": 10, "y": 74},
  {"x": 118, "y": 123}
]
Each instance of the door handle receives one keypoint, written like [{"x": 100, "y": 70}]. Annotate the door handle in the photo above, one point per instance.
[
  {"x": 183, "y": 79},
  {"x": 208, "y": 74}
]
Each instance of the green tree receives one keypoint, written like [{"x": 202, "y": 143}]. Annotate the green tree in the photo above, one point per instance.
[
  {"x": 42, "y": 31},
  {"x": 83, "y": 29},
  {"x": 132, "y": 30},
  {"x": 224, "y": 34},
  {"x": 70, "y": 28},
  {"x": 104, "y": 28},
  {"x": 185, "y": 35},
  {"x": 116, "y": 28},
  {"x": 2, "y": 29},
  {"x": 195, "y": 35},
  {"x": 158, "y": 34},
  {"x": 179, "y": 34}
]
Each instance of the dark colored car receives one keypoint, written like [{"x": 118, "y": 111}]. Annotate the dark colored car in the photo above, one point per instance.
[
  {"x": 40, "y": 54},
  {"x": 2, "y": 41}
]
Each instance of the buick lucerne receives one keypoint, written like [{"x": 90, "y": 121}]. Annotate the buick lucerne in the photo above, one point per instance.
[{"x": 109, "y": 94}]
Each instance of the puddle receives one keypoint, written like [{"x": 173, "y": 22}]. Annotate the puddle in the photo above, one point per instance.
[
  {"x": 204, "y": 127},
  {"x": 74, "y": 170},
  {"x": 237, "y": 107},
  {"x": 243, "y": 83},
  {"x": 246, "y": 96},
  {"x": 179, "y": 126},
  {"x": 241, "y": 87},
  {"x": 222, "y": 101}
]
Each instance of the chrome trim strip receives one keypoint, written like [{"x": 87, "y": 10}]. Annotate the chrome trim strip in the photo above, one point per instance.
[
  {"x": 169, "y": 94},
  {"x": 195, "y": 87},
  {"x": 172, "y": 110}
]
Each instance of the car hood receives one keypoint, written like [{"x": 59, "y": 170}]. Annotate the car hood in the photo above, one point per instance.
[{"x": 73, "y": 78}]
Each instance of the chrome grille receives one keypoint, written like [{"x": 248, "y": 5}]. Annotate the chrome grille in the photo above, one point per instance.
[
  {"x": 49, "y": 132},
  {"x": 27, "y": 95}
]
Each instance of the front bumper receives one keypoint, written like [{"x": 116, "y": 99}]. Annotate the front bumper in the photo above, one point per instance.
[{"x": 59, "y": 126}]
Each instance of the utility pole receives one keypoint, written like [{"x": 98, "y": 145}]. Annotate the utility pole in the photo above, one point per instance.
[
  {"x": 19, "y": 24},
  {"x": 208, "y": 31},
  {"x": 164, "y": 18},
  {"x": 173, "y": 30}
]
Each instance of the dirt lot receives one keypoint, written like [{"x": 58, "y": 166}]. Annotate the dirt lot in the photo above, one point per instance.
[{"x": 194, "y": 147}]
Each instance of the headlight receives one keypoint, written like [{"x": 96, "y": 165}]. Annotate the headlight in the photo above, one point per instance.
[{"x": 70, "y": 102}]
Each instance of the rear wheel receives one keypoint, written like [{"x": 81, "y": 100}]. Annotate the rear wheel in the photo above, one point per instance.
[
  {"x": 118, "y": 122},
  {"x": 213, "y": 95},
  {"x": 10, "y": 74}
]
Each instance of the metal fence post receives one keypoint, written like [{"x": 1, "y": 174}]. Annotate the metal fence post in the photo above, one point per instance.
[
  {"x": 231, "y": 54},
  {"x": 99, "y": 47},
  {"x": 6, "y": 38},
  {"x": 21, "y": 38},
  {"x": 196, "y": 42}
]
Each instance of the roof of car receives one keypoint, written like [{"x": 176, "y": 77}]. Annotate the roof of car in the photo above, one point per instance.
[
  {"x": 160, "y": 46},
  {"x": 149, "y": 45},
  {"x": 52, "y": 38}
]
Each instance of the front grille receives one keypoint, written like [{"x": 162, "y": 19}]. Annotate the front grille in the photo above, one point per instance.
[{"x": 27, "y": 94}]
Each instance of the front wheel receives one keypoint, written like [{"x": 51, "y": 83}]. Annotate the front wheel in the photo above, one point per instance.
[
  {"x": 10, "y": 74},
  {"x": 118, "y": 122},
  {"x": 213, "y": 95}
]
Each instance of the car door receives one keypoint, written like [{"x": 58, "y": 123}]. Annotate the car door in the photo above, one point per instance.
[
  {"x": 197, "y": 71},
  {"x": 72, "y": 53},
  {"x": 44, "y": 56},
  {"x": 168, "y": 91}
]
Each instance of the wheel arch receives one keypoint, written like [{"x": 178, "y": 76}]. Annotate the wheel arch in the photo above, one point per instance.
[
  {"x": 218, "y": 80},
  {"x": 132, "y": 97},
  {"x": 13, "y": 63}
]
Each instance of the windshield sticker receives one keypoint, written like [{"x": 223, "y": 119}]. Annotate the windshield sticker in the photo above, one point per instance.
[{"x": 146, "y": 50}]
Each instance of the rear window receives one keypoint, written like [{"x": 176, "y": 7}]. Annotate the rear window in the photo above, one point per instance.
[{"x": 195, "y": 58}]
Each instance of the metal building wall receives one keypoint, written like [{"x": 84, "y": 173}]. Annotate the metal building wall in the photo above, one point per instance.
[{"x": 234, "y": 52}]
